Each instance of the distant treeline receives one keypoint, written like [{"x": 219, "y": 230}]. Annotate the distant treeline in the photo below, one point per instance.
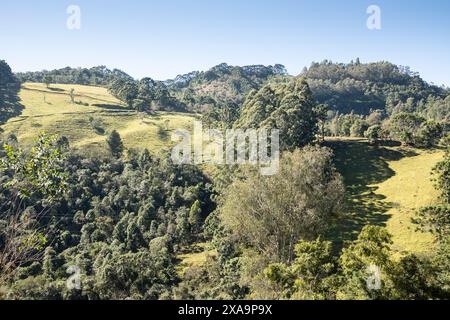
[
  {"x": 354, "y": 87},
  {"x": 96, "y": 76}
]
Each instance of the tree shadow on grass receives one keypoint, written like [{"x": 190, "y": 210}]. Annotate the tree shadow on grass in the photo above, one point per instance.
[
  {"x": 362, "y": 166},
  {"x": 55, "y": 89},
  {"x": 112, "y": 107}
]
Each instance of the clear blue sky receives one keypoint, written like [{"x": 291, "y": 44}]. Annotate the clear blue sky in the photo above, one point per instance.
[{"x": 163, "y": 38}]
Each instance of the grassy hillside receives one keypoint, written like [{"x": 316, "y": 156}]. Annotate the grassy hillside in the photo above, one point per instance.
[
  {"x": 88, "y": 121},
  {"x": 386, "y": 185}
]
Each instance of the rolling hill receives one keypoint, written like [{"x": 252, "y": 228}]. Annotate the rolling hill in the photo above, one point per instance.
[{"x": 88, "y": 120}]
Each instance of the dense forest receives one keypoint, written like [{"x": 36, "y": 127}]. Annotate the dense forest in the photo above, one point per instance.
[
  {"x": 361, "y": 88},
  {"x": 223, "y": 85},
  {"x": 122, "y": 221}
]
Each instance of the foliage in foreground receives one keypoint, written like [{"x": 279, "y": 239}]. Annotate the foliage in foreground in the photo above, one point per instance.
[
  {"x": 366, "y": 269},
  {"x": 117, "y": 223}
]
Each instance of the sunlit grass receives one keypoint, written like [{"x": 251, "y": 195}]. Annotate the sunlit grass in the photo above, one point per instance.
[
  {"x": 386, "y": 185},
  {"x": 410, "y": 189},
  {"x": 87, "y": 123}
]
